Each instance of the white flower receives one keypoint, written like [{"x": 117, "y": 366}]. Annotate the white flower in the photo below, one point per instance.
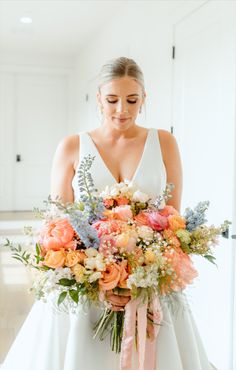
[
  {"x": 138, "y": 196},
  {"x": 95, "y": 263},
  {"x": 144, "y": 277},
  {"x": 145, "y": 232},
  {"x": 94, "y": 276},
  {"x": 114, "y": 192}
]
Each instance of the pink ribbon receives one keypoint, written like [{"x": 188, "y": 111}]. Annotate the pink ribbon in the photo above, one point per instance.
[{"x": 146, "y": 346}]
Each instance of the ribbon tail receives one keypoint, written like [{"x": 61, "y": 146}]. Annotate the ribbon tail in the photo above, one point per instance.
[
  {"x": 150, "y": 354},
  {"x": 128, "y": 335},
  {"x": 142, "y": 332}
]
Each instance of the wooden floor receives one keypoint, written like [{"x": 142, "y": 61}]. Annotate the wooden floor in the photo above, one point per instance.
[{"x": 15, "y": 300}]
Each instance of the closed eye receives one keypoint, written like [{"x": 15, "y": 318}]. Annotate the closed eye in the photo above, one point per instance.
[{"x": 129, "y": 101}]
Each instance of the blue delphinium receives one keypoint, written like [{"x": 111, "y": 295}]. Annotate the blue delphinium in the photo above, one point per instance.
[
  {"x": 86, "y": 232},
  {"x": 93, "y": 204},
  {"x": 196, "y": 217}
]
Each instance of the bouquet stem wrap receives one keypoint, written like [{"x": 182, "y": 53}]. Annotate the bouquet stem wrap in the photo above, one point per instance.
[{"x": 146, "y": 346}]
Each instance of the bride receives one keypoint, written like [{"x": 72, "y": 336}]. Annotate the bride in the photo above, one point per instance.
[{"x": 122, "y": 150}]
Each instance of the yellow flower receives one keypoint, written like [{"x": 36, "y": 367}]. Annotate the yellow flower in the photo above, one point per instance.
[
  {"x": 150, "y": 256},
  {"x": 78, "y": 270}
]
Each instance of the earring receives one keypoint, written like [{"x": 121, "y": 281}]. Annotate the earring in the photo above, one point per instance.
[
  {"x": 140, "y": 109},
  {"x": 101, "y": 107}
]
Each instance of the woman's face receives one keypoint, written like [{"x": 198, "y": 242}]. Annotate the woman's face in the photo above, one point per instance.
[{"x": 121, "y": 100}]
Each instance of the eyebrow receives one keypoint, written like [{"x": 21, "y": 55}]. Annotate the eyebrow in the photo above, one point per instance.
[{"x": 127, "y": 95}]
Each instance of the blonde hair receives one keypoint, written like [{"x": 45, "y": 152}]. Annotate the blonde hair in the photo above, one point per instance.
[{"x": 120, "y": 67}]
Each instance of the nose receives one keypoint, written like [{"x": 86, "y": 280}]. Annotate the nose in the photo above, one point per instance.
[{"x": 122, "y": 106}]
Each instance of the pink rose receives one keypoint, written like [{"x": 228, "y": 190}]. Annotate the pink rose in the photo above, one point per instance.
[{"x": 157, "y": 221}]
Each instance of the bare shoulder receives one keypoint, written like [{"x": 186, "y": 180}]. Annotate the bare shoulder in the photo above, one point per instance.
[
  {"x": 172, "y": 160},
  {"x": 69, "y": 144},
  {"x": 166, "y": 136},
  {"x": 68, "y": 148},
  {"x": 168, "y": 143}
]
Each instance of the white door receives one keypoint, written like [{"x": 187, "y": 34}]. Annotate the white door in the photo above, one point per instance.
[
  {"x": 204, "y": 125},
  {"x": 39, "y": 121}
]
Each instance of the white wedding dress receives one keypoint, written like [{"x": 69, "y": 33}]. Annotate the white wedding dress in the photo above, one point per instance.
[{"x": 57, "y": 341}]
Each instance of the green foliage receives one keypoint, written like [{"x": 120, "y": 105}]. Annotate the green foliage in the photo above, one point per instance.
[
  {"x": 74, "y": 294},
  {"x": 61, "y": 298},
  {"x": 67, "y": 282}
]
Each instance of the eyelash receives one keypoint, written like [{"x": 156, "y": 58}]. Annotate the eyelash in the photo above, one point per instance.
[{"x": 129, "y": 101}]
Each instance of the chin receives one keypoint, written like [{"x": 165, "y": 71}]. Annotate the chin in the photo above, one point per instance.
[{"x": 123, "y": 125}]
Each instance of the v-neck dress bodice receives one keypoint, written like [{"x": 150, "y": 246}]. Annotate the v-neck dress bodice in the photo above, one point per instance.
[{"x": 149, "y": 176}]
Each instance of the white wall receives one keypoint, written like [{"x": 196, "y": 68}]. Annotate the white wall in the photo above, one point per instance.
[
  {"x": 50, "y": 97},
  {"x": 144, "y": 32}
]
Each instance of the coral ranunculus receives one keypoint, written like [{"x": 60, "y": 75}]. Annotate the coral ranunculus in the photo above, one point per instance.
[
  {"x": 57, "y": 234},
  {"x": 157, "y": 221},
  {"x": 184, "y": 270},
  {"x": 142, "y": 219},
  {"x": 110, "y": 277},
  {"x": 168, "y": 210}
]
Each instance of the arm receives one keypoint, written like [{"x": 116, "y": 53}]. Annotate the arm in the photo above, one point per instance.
[
  {"x": 172, "y": 161},
  {"x": 63, "y": 168}
]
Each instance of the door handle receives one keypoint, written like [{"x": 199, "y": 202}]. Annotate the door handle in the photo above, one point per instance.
[
  {"x": 18, "y": 158},
  {"x": 225, "y": 234}
]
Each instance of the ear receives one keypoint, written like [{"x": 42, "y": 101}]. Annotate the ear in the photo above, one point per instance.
[
  {"x": 144, "y": 97},
  {"x": 98, "y": 97}
]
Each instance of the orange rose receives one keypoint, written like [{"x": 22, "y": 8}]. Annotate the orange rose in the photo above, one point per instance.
[
  {"x": 123, "y": 274},
  {"x": 110, "y": 277},
  {"x": 55, "y": 259},
  {"x": 176, "y": 222},
  {"x": 72, "y": 258}
]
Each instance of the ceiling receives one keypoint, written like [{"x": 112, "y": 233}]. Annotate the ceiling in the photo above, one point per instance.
[
  {"x": 63, "y": 27},
  {"x": 59, "y": 27}
]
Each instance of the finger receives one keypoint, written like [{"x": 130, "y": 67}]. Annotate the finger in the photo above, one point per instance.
[
  {"x": 117, "y": 308},
  {"x": 119, "y": 301}
]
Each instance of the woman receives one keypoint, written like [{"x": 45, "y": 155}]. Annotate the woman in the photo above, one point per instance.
[{"x": 122, "y": 150}]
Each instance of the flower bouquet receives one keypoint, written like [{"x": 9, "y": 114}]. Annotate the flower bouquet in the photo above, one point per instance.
[{"x": 118, "y": 241}]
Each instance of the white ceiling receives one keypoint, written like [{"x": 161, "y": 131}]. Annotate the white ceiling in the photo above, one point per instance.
[{"x": 60, "y": 27}]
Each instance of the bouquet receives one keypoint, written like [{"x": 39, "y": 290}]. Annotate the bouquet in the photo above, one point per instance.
[{"x": 119, "y": 241}]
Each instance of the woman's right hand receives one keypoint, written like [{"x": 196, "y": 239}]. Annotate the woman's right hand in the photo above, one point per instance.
[{"x": 117, "y": 301}]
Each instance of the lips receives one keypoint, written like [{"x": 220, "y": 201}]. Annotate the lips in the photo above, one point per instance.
[{"x": 122, "y": 119}]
